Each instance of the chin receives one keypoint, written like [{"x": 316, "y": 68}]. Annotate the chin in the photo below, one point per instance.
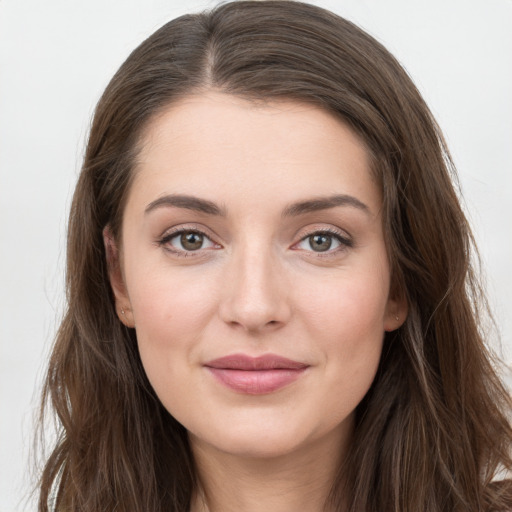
[
  {"x": 252, "y": 445},
  {"x": 261, "y": 439}
]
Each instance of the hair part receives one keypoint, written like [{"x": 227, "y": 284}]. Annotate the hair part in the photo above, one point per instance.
[{"x": 432, "y": 432}]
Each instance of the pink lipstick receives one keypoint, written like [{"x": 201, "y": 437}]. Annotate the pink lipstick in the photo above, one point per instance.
[{"x": 255, "y": 375}]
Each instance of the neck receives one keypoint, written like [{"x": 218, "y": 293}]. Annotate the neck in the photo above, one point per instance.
[{"x": 295, "y": 481}]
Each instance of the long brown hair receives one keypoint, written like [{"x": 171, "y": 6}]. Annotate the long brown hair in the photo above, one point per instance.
[{"x": 432, "y": 433}]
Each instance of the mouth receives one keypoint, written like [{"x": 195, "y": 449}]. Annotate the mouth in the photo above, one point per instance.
[{"x": 255, "y": 375}]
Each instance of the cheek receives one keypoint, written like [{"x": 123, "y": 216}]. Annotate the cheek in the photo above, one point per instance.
[
  {"x": 346, "y": 322},
  {"x": 350, "y": 308},
  {"x": 352, "y": 360},
  {"x": 170, "y": 313},
  {"x": 166, "y": 300}
]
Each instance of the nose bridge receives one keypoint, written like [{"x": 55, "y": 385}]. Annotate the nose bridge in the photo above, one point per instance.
[{"x": 256, "y": 297}]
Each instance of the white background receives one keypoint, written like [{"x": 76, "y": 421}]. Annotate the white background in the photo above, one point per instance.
[{"x": 56, "y": 56}]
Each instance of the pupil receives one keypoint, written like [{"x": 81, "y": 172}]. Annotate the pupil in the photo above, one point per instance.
[
  {"x": 191, "y": 241},
  {"x": 320, "y": 243}
]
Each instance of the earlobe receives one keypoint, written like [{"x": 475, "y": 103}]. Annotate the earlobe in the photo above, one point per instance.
[
  {"x": 122, "y": 300},
  {"x": 396, "y": 314}
]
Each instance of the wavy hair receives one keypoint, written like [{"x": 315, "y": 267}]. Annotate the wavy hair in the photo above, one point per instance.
[{"x": 433, "y": 433}]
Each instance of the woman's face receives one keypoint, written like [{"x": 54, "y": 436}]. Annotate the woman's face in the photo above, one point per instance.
[{"x": 254, "y": 270}]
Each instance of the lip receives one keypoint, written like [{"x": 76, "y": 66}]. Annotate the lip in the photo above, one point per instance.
[{"x": 255, "y": 375}]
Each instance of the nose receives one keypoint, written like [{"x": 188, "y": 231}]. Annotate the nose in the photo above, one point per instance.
[{"x": 256, "y": 297}]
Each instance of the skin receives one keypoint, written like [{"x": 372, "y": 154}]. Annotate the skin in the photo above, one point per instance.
[{"x": 257, "y": 285}]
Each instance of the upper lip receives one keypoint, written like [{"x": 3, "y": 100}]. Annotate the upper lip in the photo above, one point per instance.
[{"x": 264, "y": 362}]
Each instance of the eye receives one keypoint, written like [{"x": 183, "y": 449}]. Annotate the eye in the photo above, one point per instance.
[
  {"x": 324, "y": 241},
  {"x": 320, "y": 242},
  {"x": 187, "y": 241}
]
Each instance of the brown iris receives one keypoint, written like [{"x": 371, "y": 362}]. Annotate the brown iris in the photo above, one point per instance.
[
  {"x": 320, "y": 243},
  {"x": 191, "y": 241}
]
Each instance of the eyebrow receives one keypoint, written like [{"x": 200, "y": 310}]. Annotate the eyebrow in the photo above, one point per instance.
[
  {"x": 295, "y": 209},
  {"x": 324, "y": 203},
  {"x": 188, "y": 203}
]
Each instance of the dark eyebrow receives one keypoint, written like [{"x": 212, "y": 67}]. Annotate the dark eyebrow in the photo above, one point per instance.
[
  {"x": 299, "y": 208},
  {"x": 187, "y": 202},
  {"x": 324, "y": 203}
]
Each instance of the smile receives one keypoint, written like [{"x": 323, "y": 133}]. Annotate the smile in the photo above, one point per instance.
[{"x": 255, "y": 375}]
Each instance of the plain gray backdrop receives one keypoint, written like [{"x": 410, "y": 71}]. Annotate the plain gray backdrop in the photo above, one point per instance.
[{"x": 57, "y": 56}]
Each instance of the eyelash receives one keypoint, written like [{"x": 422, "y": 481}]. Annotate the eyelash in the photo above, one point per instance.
[
  {"x": 164, "y": 241},
  {"x": 344, "y": 241}
]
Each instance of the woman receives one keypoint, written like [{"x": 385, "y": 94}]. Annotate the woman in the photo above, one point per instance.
[{"x": 271, "y": 303}]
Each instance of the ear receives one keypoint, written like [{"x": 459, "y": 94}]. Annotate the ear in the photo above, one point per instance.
[
  {"x": 396, "y": 311},
  {"x": 115, "y": 274}
]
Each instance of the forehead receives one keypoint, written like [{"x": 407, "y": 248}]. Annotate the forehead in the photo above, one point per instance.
[{"x": 214, "y": 142}]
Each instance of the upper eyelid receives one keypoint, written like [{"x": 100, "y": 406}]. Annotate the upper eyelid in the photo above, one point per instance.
[
  {"x": 176, "y": 230},
  {"x": 331, "y": 230},
  {"x": 169, "y": 233},
  {"x": 204, "y": 230}
]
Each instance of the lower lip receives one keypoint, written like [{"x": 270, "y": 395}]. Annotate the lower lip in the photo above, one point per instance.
[{"x": 256, "y": 382}]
